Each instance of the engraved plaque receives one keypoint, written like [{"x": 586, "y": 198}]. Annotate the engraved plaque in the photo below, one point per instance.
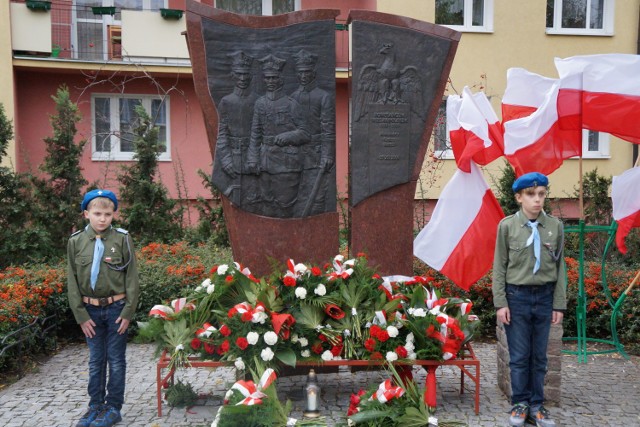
[{"x": 389, "y": 127}]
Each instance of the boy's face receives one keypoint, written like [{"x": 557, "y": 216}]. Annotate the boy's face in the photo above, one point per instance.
[
  {"x": 532, "y": 200},
  {"x": 99, "y": 217}
]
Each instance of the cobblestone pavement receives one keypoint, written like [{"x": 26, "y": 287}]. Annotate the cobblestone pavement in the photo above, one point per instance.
[{"x": 603, "y": 392}]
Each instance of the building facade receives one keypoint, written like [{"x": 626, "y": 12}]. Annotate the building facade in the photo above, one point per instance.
[{"x": 116, "y": 54}]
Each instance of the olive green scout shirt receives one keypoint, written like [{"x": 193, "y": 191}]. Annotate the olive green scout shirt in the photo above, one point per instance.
[
  {"x": 110, "y": 282},
  {"x": 513, "y": 261}
]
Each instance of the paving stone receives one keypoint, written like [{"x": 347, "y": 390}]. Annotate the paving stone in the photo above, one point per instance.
[{"x": 603, "y": 392}]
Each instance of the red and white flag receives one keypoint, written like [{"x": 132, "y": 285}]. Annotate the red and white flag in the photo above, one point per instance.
[
  {"x": 460, "y": 238},
  {"x": 537, "y": 142},
  {"x": 524, "y": 94},
  {"x": 611, "y": 97},
  {"x": 474, "y": 129},
  {"x": 625, "y": 195}
]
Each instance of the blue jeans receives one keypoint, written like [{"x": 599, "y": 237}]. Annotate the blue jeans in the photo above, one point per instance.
[
  {"x": 107, "y": 347},
  {"x": 531, "y": 308}
]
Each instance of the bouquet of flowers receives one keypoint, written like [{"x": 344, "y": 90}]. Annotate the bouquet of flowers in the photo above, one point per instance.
[{"x": 392, "y": 403}]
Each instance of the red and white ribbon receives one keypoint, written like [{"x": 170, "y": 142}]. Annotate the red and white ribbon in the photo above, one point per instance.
[
  {"x": 206, "y": 330},
  {"x": 253, "y": 393},
  {"x": 387, "y": 391}
]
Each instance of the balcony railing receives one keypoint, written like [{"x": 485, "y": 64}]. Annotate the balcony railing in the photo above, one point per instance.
[{"x": 87, "y": 33}]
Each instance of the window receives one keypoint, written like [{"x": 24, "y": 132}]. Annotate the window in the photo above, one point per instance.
[
  {"x": 259, "y": 7},
  {"x": 580, "y": 17},
  {"x": 441, "y": 141},
  {"x": 465, "y": 15},
  {"x": 92, "y": 36},
  {"x": 595, "y": 145},
  {"x": 114, "y": 120}
]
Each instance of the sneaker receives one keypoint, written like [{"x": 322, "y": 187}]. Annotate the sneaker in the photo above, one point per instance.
[
  {"x": 541, "y": 418},
  {"x": 518, "y": 415},
  {"x": 89, "y": 416},
  {"x": 108, "y": 417}
]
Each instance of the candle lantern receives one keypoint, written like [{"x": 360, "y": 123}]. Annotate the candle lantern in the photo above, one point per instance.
[{"x": 312, "y": 391}]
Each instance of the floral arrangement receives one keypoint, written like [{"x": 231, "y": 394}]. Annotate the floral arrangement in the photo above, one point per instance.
[
  {"x": 342, "y": 310},
  {"x": 393, "y": 403}
]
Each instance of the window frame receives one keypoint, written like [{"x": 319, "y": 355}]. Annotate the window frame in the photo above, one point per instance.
[
  {"x": 603, "y": 151},
  {"x": 487, "y": 20},
  {"x": 447, "y": 153},
  {"x": 115, "y": 154},
  {"x": 607, "y": 29},
  {"x": 267, "y": 7}
]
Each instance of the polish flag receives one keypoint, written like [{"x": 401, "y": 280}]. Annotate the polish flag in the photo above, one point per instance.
[
  {"x": 474, "y": 129},
  {"x": 625, "y": 195},
  {"x": 611, "y": 97},
  {"x": 524, "y": 94},
  {"x": 537, "y": 142},
  {"x": 460, "y": 238}
]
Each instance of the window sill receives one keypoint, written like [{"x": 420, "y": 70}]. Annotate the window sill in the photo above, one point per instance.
[
  {"x": 578, "y": 32},
  {"x": 463, "y": 29},
  {"x": 106, "y": 157}
]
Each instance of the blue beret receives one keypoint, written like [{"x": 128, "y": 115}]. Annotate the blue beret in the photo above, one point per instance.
[
  {"x": 99, "y": 193},
  {"x": 531, "y": 179}
]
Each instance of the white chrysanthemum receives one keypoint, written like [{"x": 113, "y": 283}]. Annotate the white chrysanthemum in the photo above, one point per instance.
[
  {"x": 411, "y": 337},
  {"x": 305, "y": 353},
  {"x": 327, "y": 355},
  {"x": 270, "y": 338},
  {"x": 222, "y": 269},
  {"x": 301, "y": 293},
  {"x": 391, "y": 356},
  {"x": 259, "y": 317},
  {"x": 211, "y": 288},
  {"x": 252, "y": 338},
  {"x": 419, "y": 312},
  {"x": 409, "y": 346},
  {"x": 267, "y": 354},
  {"x": 300, "y": 268},
  {"x": 320, "y": 290},
  {"x": 303, "y": 342},
  {"x": 411, "y": 356},
  {"x": 294, "y": 338},
  {"x": 239, "y": 364},
  {"x": 392, "y": 331},
  {"x": 205, "y": 283}
]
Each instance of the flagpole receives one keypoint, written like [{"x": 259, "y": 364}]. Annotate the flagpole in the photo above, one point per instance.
[
  {"x": 637, "y": 162},
  {"x": 580, "y": 183}
]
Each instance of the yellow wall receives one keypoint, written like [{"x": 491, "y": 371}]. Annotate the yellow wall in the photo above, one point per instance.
[
  {"x": 519, "y": 40},
  {"x": 31, "y": 31},
  {"x": 6, "y": 74},
  {"x": 138, "y": 27}
]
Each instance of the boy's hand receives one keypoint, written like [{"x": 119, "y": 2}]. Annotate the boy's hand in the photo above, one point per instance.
[
  {"x": 87, "y": 328},
  {"x": 504, "y": 315},
  {"x": 556, "y": 317},
  {"x": 124, "y": 324}
]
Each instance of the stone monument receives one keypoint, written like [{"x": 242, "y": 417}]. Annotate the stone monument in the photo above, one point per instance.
[
  {"x": 269, "y": 107},
  {"x": 400, "y": 67}
]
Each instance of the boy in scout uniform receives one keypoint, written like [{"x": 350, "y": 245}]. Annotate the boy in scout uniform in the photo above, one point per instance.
[
  {"x": 103, "y": 293},
  {"x": 529, "y": 281}
]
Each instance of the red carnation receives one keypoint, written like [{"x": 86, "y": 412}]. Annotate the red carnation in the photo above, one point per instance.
[
  {"x": 323, "y": 338},
  {"x": 196, "y": 343},
  {"x": 336, "y": 350},
  {"x": 316, "y": 271},
  {"x": 225, "y": 331},
  {"x": 401, "y": 352},
  {"x": 317, "y": 348},
  {"x": 362, "y": 255},
  {"x": 228, "y": 279},
  {"x": 247, "y": 316},
  {"x": 383, "y": 336},
  {"x": 370, "y": 344},
  {"x": 374, "y": 331},
  {"x": 289, "y": 281},
  {"x": 334, "y": 311},
  {"x": 242, "y": 343},
  {"x": 376, "y": 355},
  {"x": 224, "y": 347},
  {"x": 209, "y": 348},
  {"x": 214, "y": 269}
]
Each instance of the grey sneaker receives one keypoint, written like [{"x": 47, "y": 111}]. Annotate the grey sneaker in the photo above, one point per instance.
[
  {"x": 518, "y": 415},
  {"x": 89, "y": 416},
  {"x": 541, "y": 418}
]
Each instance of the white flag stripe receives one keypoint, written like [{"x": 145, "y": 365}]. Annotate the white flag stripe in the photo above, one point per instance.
[
  {"x": 454, "y": 213},
  {"x": 475, "y": 113},
  {"x": 453, "y": 107},
  {"x": 526, "y": 88},
  {"x": 520, "y": 133},
  {"x": 625, "y": 193},
  {"x": 619, "y": 78}
]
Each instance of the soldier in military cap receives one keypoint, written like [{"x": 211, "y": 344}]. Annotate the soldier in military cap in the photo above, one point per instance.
[
  {"x": 277, "y": 132},
  {"x": 318, "y": 156},
  {"x": 103, "y": 291},
  {"x": 234, "y": 130}
]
